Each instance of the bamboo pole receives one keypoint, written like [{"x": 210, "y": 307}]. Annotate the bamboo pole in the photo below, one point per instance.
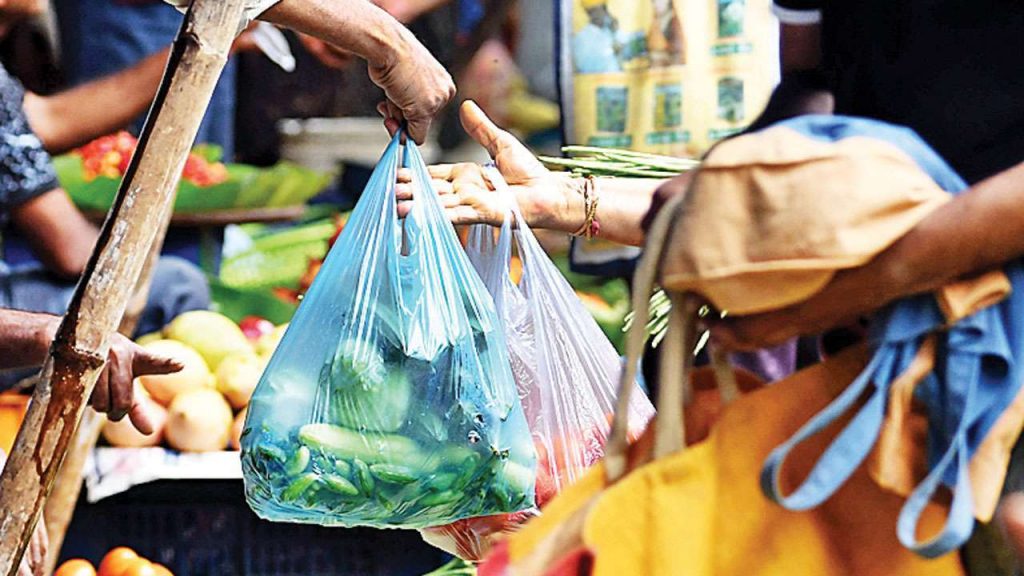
[
  {"x": 144, "y": 200},
  {"x": 60, "y": 505}
]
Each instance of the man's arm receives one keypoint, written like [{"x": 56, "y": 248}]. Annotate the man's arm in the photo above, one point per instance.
[
  {"x": 25, "y": 337},
  {"x": 76, "y": 116},
  {"x": 415, "y": 84},
  {"x": 978, "y": 230},
  {"x": 58, "y": 233}
]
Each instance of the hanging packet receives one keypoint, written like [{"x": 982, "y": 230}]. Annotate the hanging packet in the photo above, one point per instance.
[
  {"x": 390, "y": 400},
  {"x": 566, "y": 370}
]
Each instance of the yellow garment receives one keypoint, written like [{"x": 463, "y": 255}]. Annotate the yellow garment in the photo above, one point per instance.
[
  {"x": 772, "y": 215},
  {"x": 574, "y": 518},
  {"x": 701, "y": 511},
  {"x": 700, "y": 415}
]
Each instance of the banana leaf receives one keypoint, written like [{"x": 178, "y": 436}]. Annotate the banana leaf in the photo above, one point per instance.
[
  {"x": 98, "y": 194},
  {"x": 282, "y": 185}
]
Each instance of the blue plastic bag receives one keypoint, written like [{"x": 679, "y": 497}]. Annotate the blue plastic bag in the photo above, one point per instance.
[{"x": 390, "y": 400}]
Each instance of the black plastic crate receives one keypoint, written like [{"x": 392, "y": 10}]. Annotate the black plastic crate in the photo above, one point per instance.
[{"x": 205, "y": 529}]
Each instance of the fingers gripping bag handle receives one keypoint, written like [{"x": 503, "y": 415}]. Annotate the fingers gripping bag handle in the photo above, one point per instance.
[{"x": 389, "y": 401}]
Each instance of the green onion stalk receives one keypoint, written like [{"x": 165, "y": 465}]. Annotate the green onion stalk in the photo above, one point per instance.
[{"x": 597, "y": 161}]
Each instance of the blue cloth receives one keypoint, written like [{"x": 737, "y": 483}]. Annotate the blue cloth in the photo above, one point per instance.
[
  {"x": 975, "y": 379},
  {"x": 177, "y": 287},
  {"x": 470, "y": 13},
  {"x": 100, "y": 37}
]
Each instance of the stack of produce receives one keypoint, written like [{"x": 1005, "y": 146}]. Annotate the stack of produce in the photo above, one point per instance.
[
  {"x": 596, "y": 161},
  {"x": 108, "y": 157},
  {"x": 202, "y": 407}
]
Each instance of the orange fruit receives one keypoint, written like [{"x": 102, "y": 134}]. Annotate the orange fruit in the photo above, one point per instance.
[
  {"x": 140, "y": 567},
  {"x": 76, "y": 567},
  {"x": 162, "y": 570},
  {"x": 116, "y": 561}
]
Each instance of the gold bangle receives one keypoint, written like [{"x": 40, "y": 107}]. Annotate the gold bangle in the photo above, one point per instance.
[{"x": 590, "y": 227}]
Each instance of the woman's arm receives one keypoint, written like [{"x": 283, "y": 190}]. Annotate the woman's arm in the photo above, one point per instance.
[{"x": 551, "y": 200}]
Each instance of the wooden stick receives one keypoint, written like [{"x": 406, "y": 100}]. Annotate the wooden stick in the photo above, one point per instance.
[
  {"x": 60, "y": 505},
  {"x": 144, "y": 201}
]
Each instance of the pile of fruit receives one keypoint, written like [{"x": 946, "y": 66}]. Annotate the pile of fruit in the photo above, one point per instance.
[
  {"x": 108, "y": 157},
  {"x": 120, "y": 561},
  {"x": 202, "y": 407}
]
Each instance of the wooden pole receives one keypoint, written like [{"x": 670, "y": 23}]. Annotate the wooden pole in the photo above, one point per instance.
[
  {"x": 143, "y": 203},
  {"x": 60, "y": 505}
]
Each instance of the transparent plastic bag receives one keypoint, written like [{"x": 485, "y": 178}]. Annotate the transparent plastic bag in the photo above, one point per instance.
[
  {"x": 566, "y": 371},
  {"x": 390, "y": 401}
]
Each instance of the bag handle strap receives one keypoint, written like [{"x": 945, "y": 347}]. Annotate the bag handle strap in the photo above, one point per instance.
[
  {"x": 617, "y": 447},
  {"x": 680, "y": 340},
  {"x": 960, "y": 521},
  {"x": 845, "y": 454},
  {"x": 673, "y": 375}
]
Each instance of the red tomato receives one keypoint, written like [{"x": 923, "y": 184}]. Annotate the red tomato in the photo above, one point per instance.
[{"x": 253, "y": 327}]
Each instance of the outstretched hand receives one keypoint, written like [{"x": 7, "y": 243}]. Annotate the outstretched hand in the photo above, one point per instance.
[{"x": 467, "y": 196}]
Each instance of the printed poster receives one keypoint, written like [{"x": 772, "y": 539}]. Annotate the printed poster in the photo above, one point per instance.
[{"x": 662, "y": 76}]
